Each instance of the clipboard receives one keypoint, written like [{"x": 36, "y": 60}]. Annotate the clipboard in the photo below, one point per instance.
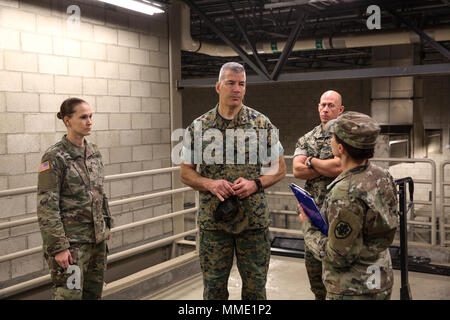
[{"x": 309, "y": 206}]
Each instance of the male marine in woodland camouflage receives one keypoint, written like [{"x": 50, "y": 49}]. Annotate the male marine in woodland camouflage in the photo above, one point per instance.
[
  {"x": 245, "y": 234},
  {"x": 361, "y": 211},
  {"x": 72, "y": 208},
  {"x": 314, "y": 162}
]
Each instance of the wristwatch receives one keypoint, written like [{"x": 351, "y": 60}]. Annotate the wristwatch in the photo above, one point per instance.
[
  {"x": 308, "y": 162},
  {"x": 258, "y": 184}
]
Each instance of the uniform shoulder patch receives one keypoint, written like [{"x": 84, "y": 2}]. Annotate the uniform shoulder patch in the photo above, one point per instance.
[
  {"x": 342, "y": 230},
  {"x": 44, "y": 166}
]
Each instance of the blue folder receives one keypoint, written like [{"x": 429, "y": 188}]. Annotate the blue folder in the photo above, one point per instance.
[{"x": 310, "y": 208}]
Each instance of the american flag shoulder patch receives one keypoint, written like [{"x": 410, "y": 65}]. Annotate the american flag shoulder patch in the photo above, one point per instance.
[{"x": 44, "y": 166}]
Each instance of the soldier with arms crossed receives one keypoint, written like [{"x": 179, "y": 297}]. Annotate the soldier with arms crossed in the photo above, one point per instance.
[
  {"x": 314, "y": 162},
  {"x": 361, "y": 212},
  {"x": 72, "y": 208},
  {"x": 246, "y": 235}
]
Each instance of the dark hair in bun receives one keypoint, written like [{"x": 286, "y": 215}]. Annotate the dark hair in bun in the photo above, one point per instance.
[
  {"x": 355, "y": 153},
  {"x": 68, "y": 107}
]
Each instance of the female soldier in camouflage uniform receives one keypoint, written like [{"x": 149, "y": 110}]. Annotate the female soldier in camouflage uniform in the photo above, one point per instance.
[
  {"x": 72, "y": 208},
  {"x": 361, "y": 211}
]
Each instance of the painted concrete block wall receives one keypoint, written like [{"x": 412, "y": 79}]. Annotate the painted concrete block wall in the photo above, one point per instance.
[{"x": 118, "y": 62}]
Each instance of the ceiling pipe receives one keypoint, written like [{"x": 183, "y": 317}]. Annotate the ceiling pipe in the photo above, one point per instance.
[{"x": 336, "y": 42}]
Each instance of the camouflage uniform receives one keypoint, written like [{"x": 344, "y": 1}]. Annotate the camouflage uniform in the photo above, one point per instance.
[
  {"x": 361, "y": 211},
  {"x": 316, "y": 143},
  {"x": 73, "y": 214},
  {"x": 247, "y": 234}
]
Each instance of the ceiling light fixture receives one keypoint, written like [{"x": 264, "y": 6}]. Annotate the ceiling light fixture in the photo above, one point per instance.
[
  {"x": 135, "y": 6},
  {"x": 153, "y": 3}
]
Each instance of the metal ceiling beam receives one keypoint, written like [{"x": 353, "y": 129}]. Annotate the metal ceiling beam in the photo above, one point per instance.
[
  {"x": 235, "y": 46},
  {"x": 285, "y": 4},
  {"x": 422, "y": 34},
  {"x": 249, "y": 42},
  {"x": 293, "y": 36},
  {"x": 415, "y": 70},
  {"x": 447, "y": 2}
]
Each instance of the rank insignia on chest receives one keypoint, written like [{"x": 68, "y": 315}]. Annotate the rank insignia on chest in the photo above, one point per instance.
[
  {"x": 342, "y": 230},
  {"x": 44, "y": 166}
]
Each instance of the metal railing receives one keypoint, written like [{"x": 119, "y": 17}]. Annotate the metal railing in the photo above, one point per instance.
[
  {"x": 284, "y": 212},
  {"x": 174, "y": 238},
  {"x": 36, "y": 282},
  {"x": 432, "y": 224},
  {"x": 442, "y": 225}
]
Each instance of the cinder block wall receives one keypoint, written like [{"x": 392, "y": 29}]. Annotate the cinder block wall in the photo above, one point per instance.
[{"x": 118, "y": 62}]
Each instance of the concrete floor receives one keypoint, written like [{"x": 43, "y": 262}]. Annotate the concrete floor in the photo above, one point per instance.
[{"x": 287, "y": 280}]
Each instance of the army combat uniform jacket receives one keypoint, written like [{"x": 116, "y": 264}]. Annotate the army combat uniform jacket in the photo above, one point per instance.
[
  {"x": 361, "y": 211},
  {"x": 317, "y": 144},
  {"x": 253, "y": 210},
  {"x": 72, "y": 206}
]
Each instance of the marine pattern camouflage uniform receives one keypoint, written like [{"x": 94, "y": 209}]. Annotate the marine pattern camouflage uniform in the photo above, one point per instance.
[
  {"x": 73, "y": 213},
  {"x": 361, "y": 211},
  {"x": 247, "y": 234},
  {"x": 316, "y": 143}
]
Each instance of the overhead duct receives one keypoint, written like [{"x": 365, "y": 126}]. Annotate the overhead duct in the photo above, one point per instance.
[{"x": 337, "y": 42}]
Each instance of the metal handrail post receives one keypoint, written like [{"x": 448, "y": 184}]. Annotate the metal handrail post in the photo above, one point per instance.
[
  {"x": 197, "y": 205},
  {"x": 405, "y": 292},
  {"x": 442, "y": 226},
  {"x": 433, "y": 205}
]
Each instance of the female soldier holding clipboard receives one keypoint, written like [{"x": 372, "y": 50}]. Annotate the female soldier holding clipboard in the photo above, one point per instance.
[{"x": 361, "y": 212}]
